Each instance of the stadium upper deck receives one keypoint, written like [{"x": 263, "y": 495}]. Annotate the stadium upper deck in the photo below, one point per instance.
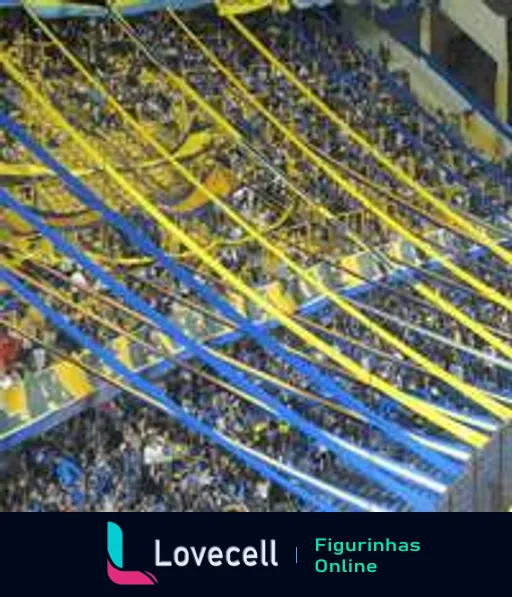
[{"x": 244, "y": 210}]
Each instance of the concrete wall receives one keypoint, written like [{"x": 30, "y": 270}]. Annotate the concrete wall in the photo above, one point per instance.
[
  {"x": 432, "y": 89},
  {"x": 486, "y": 485},
  {"x": 489, "y": 31},
  {"x": 506, "y": 466},
  {"x": 480, "y": 23}
]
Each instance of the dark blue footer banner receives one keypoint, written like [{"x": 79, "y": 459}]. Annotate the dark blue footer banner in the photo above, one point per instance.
[{"x": 220, "y": 554}]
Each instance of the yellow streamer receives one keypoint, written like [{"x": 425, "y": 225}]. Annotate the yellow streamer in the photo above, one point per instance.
[
  {"x": 360, "y": 373},
  {"x": 475, "y": 233}
]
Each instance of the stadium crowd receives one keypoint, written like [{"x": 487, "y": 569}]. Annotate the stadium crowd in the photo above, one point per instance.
[{"x": 123, "y": 456}]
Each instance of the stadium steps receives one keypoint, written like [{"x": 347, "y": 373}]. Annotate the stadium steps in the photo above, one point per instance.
[
  {"x": 410, "y": 103},
  {"x": 8, "y": 422},
  {"x": 432, "y": 87}
]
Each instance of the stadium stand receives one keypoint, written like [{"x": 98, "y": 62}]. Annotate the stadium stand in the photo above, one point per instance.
[{"x": 243, "y": 268}]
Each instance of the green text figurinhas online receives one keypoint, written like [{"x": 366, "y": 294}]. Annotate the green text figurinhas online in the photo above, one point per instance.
[{"x": 344, "y": 548}]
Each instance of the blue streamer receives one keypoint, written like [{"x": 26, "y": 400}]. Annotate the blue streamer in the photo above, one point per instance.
[
  {"x": 236, "y": 377},
  {"x": 154, "y": 392},
  {"x": 321, "y": 381}
]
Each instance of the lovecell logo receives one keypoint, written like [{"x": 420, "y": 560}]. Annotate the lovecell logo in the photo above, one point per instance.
[{"x": 115, "y": 561}]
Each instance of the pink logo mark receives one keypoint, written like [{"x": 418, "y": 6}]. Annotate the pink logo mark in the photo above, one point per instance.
[{"x": 115, "y": 561}]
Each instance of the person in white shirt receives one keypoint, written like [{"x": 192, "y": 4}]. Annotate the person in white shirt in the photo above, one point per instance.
[
  {"x": 6, "y": 382},
  {"x": 78, "y": 279}
]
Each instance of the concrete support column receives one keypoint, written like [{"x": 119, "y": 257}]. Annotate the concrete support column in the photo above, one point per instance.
[
  {"x": 502, "y": 90},
  {"x": 426, "y": 30}
]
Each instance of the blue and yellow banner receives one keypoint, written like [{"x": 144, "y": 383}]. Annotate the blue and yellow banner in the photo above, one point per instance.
[{"x": 60, "y": 9}]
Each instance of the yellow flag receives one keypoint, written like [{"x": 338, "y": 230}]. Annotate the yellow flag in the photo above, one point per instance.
[
  {"x": 237, "y": 7},
  {"x": 281, "y": 5}
]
